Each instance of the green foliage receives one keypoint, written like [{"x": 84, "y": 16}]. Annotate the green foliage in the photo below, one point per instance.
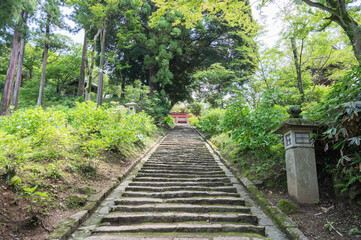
[
  {"x": 251, "y": 128},
  {"x": 244, "y": 135},
  {"x": 193, "y": 121},
  {"x": 211, "y": 122},
  {"x": 38, "y": 200},
  {"x": 15, "y": 181},
  {"x": 212, "y": 84},
  {"x": 169, "y": 121},
  {"x": 49, "y": 136},
  {"x": 286, "y": 206},
  {"x": 196, "y": 108},
  {"x": 27, "y": 122},
  {"x": 156, "y": 105},
  {"x": 340, "y": 113},
  {"x": 329, "y": 226}
]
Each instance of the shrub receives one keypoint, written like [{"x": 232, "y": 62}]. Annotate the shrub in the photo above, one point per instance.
[
  {"x": 211, "y": 122},
  {"x": 28, "y": 121},
  {"x": 36, "y": 134},
  {"x": 193, "y": 121},
  {"x": 340, "y": 113},
  {"x": 169, "y": 121}
]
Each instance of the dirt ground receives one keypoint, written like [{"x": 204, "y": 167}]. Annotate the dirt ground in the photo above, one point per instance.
[
  {"x": 329, "y": 219},
  {"x": 17, "y": 224}
]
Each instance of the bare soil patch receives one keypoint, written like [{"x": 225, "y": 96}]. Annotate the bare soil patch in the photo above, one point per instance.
[{"x": 331, "y": 218}]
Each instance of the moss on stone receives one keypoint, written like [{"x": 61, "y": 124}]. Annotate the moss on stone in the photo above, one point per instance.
[
  {"x": 286, "y": 206},
  {"x": 86, "y": 190},
  {"x": 75, "y": 201}
]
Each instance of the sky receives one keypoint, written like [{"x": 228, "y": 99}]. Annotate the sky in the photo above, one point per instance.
[
  {"x": 266, "y": 17},
  {"x": 78, "y": 37}
]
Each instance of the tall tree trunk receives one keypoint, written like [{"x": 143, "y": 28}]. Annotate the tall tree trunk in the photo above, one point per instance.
[
  {"x": 82, "y": 67},
  {"x": 15, "y": 100},
  {"x": 122, "y": 94},
  {"x": 101, "y": 66},
  {"x": 45, "y": 62},
  {"x": 298, "y": 68},
  {"x": 89, "y": 75},
  {"x": 153, "y": 85},
  {"x": 10, "y": 74}
]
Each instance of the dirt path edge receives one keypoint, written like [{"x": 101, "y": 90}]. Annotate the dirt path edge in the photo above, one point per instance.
[{"x": 281, "y": 220}]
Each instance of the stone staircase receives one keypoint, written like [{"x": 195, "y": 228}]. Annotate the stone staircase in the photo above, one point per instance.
[{"x": 180, "y": 192}]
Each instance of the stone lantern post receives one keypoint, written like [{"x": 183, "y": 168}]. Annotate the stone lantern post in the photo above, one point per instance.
[
  {"x": 132, "y": 107},
  {"x": 302, "y": 181}
]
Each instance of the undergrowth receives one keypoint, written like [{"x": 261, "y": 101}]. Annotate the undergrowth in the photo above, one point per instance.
[{"x": 38, "y": 145}]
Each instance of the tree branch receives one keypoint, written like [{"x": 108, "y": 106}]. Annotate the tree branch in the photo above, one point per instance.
[{"x": 320, "y": 6}]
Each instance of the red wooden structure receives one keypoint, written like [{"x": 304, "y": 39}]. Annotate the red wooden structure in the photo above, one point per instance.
[{"x": 181, "y": 117}]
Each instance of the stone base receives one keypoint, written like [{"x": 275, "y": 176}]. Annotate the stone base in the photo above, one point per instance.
[{"x": 302, "y": 175}]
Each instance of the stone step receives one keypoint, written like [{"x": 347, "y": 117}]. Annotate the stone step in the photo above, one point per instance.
[
  {"x": 183, "y": 165},
  {"x": 178, "y": 188},
  {"x": 181, "y": 168},
  {"x": 189, "y": 159},
  {"x": 175, "y": 236},
  {"x": 180, "y": 208},
  {"x": 195, "y": 179},
  {"x": 209, "y": 200},
  {"x": 179, "y": 194},
  {"x": 182, "y": 228},
  {"x": 195, "y": 172},
  {"x": 194, "y": 200},
  {"x": 181, "y": 183},
  {"x": 178, "y": 175},
  {"x": 140, "y": 218}
]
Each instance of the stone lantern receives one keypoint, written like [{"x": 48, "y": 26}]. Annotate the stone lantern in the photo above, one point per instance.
[
  {"x": 302, "y": 181},
  {"x": 132, "y": 107}
]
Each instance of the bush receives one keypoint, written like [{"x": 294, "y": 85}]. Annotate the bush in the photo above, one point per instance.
[
  {"x": 211, "y": 122},
  {"x": 193, "y": 121},
  {"x": 36, "y": 134},
  {"x": 340, "y": 113},
  {"x": 245, "y": 136},
  {"x": 169, "y": 121}
]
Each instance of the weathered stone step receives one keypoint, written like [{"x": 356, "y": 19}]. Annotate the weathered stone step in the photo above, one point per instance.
[
  {"x": 137, "y": 201},
  {"x": 180, "y": 155},
  {"x": 179, "y": 194},
  {"x": 183, "y": 164},
  {"x": 194, "y": 172},
  {"x": 178, "y": 188},
  {"x": 181, "y": 183},
  {"x": 178, "y": 179},
  {"x": 178, "y": 175},
  {"x": 189, "y": 159},
  {"x": 192, "y": 162},
  {"x": 175, "y": 236},
  {"x": 193, "y": 200},
  {"x": 139, "y": 218},
  {"x": 180, "y": 208},
  {"x": 209, "y": 200},
  {"x": 182, "y": 227},
  {"x": 184, "y": 168}
]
